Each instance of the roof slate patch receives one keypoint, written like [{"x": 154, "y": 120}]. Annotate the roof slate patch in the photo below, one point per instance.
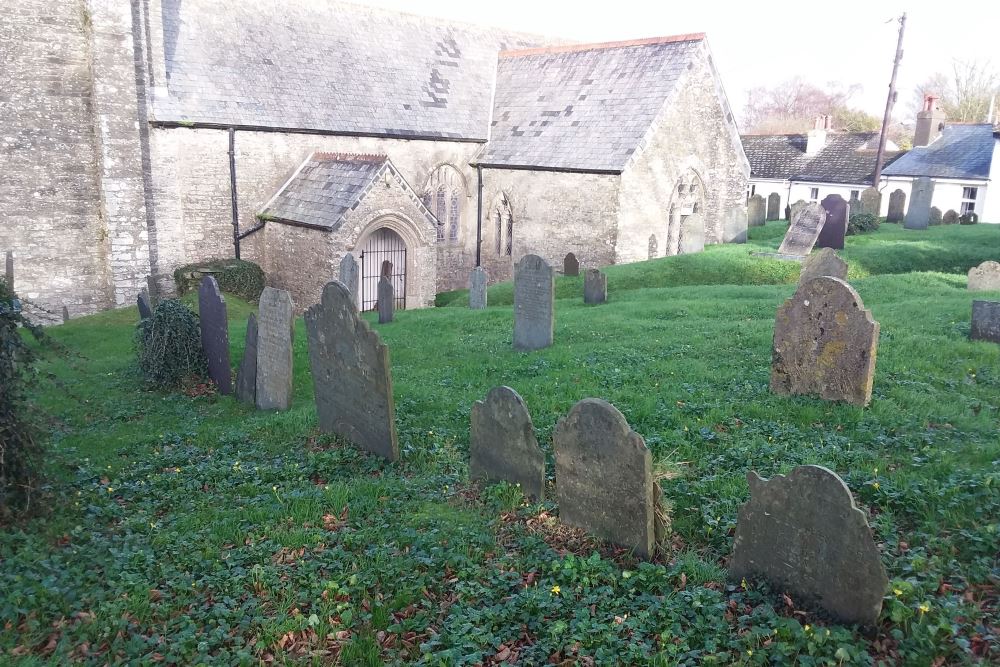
[
  {"x": 845, "y": 158},
  {"x": 962, "y": 151}
]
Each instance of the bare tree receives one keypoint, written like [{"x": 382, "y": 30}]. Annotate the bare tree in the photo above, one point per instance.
[
  {"x": 965, "y": 94},
  {"x": 792, "y": 106}
]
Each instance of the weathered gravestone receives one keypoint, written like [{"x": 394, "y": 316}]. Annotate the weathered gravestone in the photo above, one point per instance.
[
  {"x": 65, "y": 314},
  {"x": 692, "y": 234},
  {"x": 804, "y": 534},
  {"x": 9, "y": 269},
  {"x": 595, "y": 286},
  {"x": 871, "y": 202},
  {"x": 349, "y": 276},
  {"x": 274, "y": 350},
  {"x": 502, "y": 446},
  {"x": 351, "y": 376},
  {"x": 853, "y": 206},
  {"x": 571, "y": 267},
  {"x": 734, "y": 224},
  {"x": 756, "y": 210},
  {"x": 835, "y": 228},
  {"x": 823, "y": 262},
  {"x": 477, "y": 288},
  {"x": 985, "y": 321},
  {"x": 145, "y": 307},
  {"x": 246, "y": 376},
  {"x": 652, "y": 248},
  {"x": 970, "y": 218},
  {"x": 934, "y": 216},
  {"x": 534, "y": 303},
  {"x": 386, "y": 300},
  {"x": 824, "y": 343},
  {"x": 773, "y": 206},
  {"x": 897, "y": 205},
  {"x": 950, "y": 217},
  {"x": 807, "y": 223},
  {"x": 984, "y": 277},
  {"x": 796, "y": 207},
  {"x": 215, "y": 333},
  {"x": 918, "y": 214}
]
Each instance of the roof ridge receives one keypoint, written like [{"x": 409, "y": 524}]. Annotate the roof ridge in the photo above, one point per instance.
[
  {"x": 593, "y": 46},
  {"x": 353, "y": 157}
]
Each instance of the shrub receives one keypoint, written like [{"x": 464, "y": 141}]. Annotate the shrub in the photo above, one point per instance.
[
  {"x": 168, "y": 346},
  {"x": 969, "y": 218},
  {"x": 861, "y": 223},
  {"x": 235, "y": 276}
]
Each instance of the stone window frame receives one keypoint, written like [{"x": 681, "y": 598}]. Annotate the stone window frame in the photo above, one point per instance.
[
  {"x": 688, "y": 191},
  {"x": 446, "y": 189},
  {"x": 503, "y": 216}
]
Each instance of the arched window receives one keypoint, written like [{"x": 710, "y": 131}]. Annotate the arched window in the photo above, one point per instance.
[
  {"x": 446, "y": 187},
  {"x": 499, "y": 230},
  {"x": 503, "y": 217},
  {"x": 510, "y": 235}
]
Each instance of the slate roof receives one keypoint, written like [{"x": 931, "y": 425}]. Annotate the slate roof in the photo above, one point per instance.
[
  {"x": 778, "y": 156},
  {"x": 328, "y": 66},
  {"x": 847, "y": 158},
  {"x": 962, "y": 151},
  {"x": 584, "y": 107}
]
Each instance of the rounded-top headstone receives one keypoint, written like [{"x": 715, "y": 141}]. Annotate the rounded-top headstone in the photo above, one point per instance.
[
  {"x": 571, "y": 266},
  {"x": 215, "y": 333},
  {"x": 275, "y": 328},
  {"x": 349, "y": 275},
  {"x": 823, "y": 262},
  {"x": 756, "y": 211},
  {"x": 595, "y": 286},
  {"x": 502, "y": 444},
  {"x": 897, "y": 206},
  {"x": 985, "y": 277},
  {"x": 838, "y": 212}
]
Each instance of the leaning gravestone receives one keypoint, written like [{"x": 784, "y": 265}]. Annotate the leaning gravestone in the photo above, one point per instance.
[
  {"x": 246, "y": 376},
  {"x": 502, "y": 446},
  {"x": 985, "y": 277},
  {"x": 756, "y": 210},
  {"x": 9, "y": 269},
  {"x": 804, "y": 534},
  {"x": 934, "y": 217},
  {"x": 349, "y": 275},
  {"x": 835, "y": 228},
  {"x": 897, "y": 205},
  {"x": 773, "y": 206},
  {"x": 351, "y": 376},
  {"x": 477, "y": 288},
  {"x": 871, "y": 202},
  {"x": 807, "y": 223},
  {"x": 386, "y": 300},
  {"x": 735, "y": 225},
  {"x": 275, "y": 324},
  {"x": 950, "y": 217},
  {"x": 985, "y": 321},
  {"x": 571, "y": 267},
  {"x": 595, "y": 286},
  {"x": 145, "y": 307},
  {"x": 692, "y": 237},
  {"x": 824, "y": 343},
  {"x": 919, "y": 213},
  {"x": 534, "y": 303},
  {"x": 823, "y": 262},
  {"x": 604, "y": 477},
  {"x": 793, "y": 209},
  {"x": 215, "y": 333}
]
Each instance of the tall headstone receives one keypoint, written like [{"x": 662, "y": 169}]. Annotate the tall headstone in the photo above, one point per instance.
[
  {"x": 807, "y": 223},
  {"x": 275, "y": 329},
  {"x": 595, "y": 286},
  {"x": 652, "y": 248},
  {"x": 804, "y": 534},
  {"x": 502, "y": 446},
  {"x": 835, "y": 228},
  {"x": 934, "y": 216},
  {"x": 773, "y": 206},
  {"x": 756, "y": 211},
  {"x": 854, "y": 206},
  {"x": 477, "y": 288},
  {"x": 824, "y": 343},
  {"x": 985, "y": 321},
  {"x": 734, "y": 224},
  {"x": 823, "y": 262},
  {"x": 246, "y": 376},
  {"x": 215, "y": 333},
  {"x": 65, "y": 314},
  {"x": 351, "y": 374},
  {"x": 571, "y": 267},
  {"x": 897, "y": 206},
  {"x": 871, "y": 202},
  {"x": 386, "y": 300},
  {"x": 9, "y": 269},
  {"x": 692, "y": 236},
  {"x": 604, "y": 477},
  {"x": 534, "y": 303},
  {"x": 145, "y": 307},
  {"x": 950, "y": 217},
  {"x": 985, "y": 277},
  {"x": 788, "y": 212},
  {"x": 918, "y": 214},
  {"x": 349, "y": 275}
]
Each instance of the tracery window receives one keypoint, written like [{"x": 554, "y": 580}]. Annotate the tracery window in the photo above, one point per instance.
[
  {"x": 503, "y": 216},
  {"x": 445, "y": 189}
]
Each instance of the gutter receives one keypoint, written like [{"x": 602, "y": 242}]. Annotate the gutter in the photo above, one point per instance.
[
  {"x": 169, "y": 124},
  {"x": 558, "y": 170}
]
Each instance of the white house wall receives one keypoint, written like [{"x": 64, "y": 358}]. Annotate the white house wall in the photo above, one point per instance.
[{"x": 948, "y": 195}]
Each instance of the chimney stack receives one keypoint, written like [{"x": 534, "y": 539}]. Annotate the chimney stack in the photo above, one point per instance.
[
  {"x": 816, "y": 139},
  {"x": 930, "y": 122}
]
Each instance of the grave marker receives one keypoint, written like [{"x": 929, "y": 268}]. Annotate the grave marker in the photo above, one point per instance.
[
  {"x": 692, "y": 234},
  {"x": 835, "y": 228},
  {"x": 871, "y": 202},
  {"x": 823, "y": 262},
  {"x": 246, "y": 376},
  {"x": 9, "y": 269},
  {"x": 502, "y": 446},
  {"x": 985, "y": 277},
  {"x": 386, "y": 300},
  {"x": 756, "y": 209},
  {"x": 985, "y": 321},
  {"x": 571, "y": 267},
  {"x": 796, "y": 207},
  {"x": 735, "y": 225},
  {"x": 807, "y": 223},
  {"x": 215, "y": 333},
  {"x": 773, "y": 206},
  {"x": 275, "y": 323},
  {"x": 534, "y": 303},
  {"x": 897, "y": 206},
  {"x": 934, "y": 217},
  {"x": 145, "y": 307},
  {"x": 919, "y": 213},
  {"x": 595, "y": 286},
  {"x": 477, "y": 288},
  {"x": 350, "y": 275},
  {"x": 854, "y": 206},
  {"x": 652, "y": 247}
]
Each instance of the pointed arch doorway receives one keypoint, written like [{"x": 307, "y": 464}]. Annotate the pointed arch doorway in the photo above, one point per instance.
[{"x": 384, "y": 253}]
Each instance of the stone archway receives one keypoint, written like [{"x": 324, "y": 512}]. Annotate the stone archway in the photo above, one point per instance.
[{"x": 687, "y": 199}]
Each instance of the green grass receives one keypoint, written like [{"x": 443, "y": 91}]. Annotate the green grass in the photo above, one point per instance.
[{"x": 197, "y": 530}]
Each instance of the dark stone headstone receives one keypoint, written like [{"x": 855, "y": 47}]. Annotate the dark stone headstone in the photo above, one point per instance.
[
  {"x": 595, "y": 286},
  {"x": 534, "y": 303},
  {"x": 897, "y": 206},
  {"x": 386, "y": 300},
  {"x": 351, "y": 376},
  {"x": 604, "y": 477},
  {"x": 918, "y": 215},
  {"x": 773, "y": 206},
  {"x": 571, "y": 267},
  {"x": 275, "y": 329},
  {"x": 215, "y": 333},
  {"x": 985, "y": 277},
  {"x": 386, "y": 271},
  {"x": 477, "y": 288},
  {"x": 985, "y": 321},
  {"x": 349, "y": 275},
  {"x": 734, "y": 225},
  {"x": 502, "y": 446},
  {"x": 934, "y": 217},
  {"x": 835, "y": 228},
  {"x": 145, "y": 307},
  {"x": 950, "y": 217},
  {"x": 823, "y": 262},
  {"x": 692, "y": 234},
  {"x": 756, "y": 210},
  {"x": 803, "y": 534},
  {"x": 65, "y": 314},
  {"x": 871, "y": 202},
  {"x": 9, "y": 269},
  {"x": 246, "y": 376},
  {"x": 652, "y": 249},
  {"x": 824, "y": 343},
  {"x": 806, "y": 226}
]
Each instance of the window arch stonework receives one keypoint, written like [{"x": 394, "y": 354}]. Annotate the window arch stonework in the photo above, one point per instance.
[
  {"x": 688, "y": 199},
  {"x": 445, "y": 189}
]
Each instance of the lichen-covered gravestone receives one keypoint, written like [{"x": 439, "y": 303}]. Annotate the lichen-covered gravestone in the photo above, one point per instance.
[
  {"x": 534, "y": 303},
  {"x": 835, "y": 228},
  {"x": 854, "y": 206},
  {"x": 985, "y": 277},
  {"x": 824, "y": 343},
  {"x": 604, "y": 477},
  {"x": 571, "y": 266},
  {"x": 773, "y": 206},
  {"x": 918, "y": 214},
  {"x": 477, "y": 288},
  {"x": 871, "y": 202},
  {"x": 215, "y": 333},
  {"x": 734, "y": 225},
  {"x": 950, "y": 217},
  {"x": 756, "y": 210},
  {"x": 897, "y": 206},
  {"x": 386, "y": 300},
  {"x": 807, "y": 223},
  {"x": 823, "y": 262},
  {"x": 595, "y": 286},
  {"x": 793, "y": 209},
  {"x": 246, "y": 376},
  {"x": 502, "y": 446},
  {"x": 349, "y": 276},
  {"x": 985, "y": 321},
  {"x": 692, "y": 234},
  {"x": 351, "y": 375},
  {"x": 934, "y": 217},
  {"x": 145, "y": 308},
  {"x": 804, "y": 535},
  {"x": 652, "y": 247},
  {"x": 275, "y": 323}
]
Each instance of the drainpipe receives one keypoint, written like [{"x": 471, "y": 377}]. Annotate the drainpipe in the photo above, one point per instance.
[
  {"x": 479, "y": 216},
  {"x": 232, "y": 191}
]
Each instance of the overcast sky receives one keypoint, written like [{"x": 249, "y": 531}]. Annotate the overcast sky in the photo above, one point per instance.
[{"x": 764, "y": 43}]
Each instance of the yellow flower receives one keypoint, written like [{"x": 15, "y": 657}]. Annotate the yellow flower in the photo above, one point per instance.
[
  {"x": 875, "y": 486},
  {"x": 924, "y": 608},
  {"x": 110, "y": 489},
  {"x": 556, "y": 590},
  {"x": 749, "y": 652},
  {"x": 808, "y": 627},
  {"x": 897, "y": 592},
  {"x": 743, "y": 583}
]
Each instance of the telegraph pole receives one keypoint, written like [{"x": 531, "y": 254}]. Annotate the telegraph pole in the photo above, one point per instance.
[{"x": 880, "y": 156}]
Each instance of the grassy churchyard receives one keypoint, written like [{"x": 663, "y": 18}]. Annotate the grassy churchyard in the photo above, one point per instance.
[{"x": 192, "y": 529}]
